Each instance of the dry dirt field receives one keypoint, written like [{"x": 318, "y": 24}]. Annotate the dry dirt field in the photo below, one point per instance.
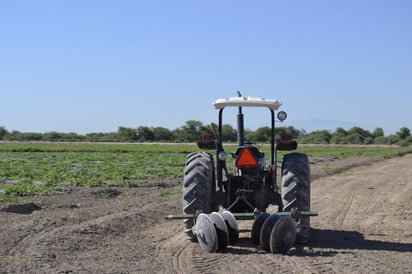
[{"x": 364, "y": 226}]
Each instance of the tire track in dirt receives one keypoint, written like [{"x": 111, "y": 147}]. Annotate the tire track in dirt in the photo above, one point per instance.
[
  {"x": 43, "y": 247},
  {"x": 345, "y": 213},
  {"x": 170, "y": 247},
  {"x": 24, "y": 243},
  {"x": 364, "y": 197},
  {"x": 228, "y": 260},
  {"x": 188, "y": 257},
  {"x": 54, "y": 246},
  {"x": 183, "y": 255},
  {"x": 177, "y": 261},
  {"x": 364, "y": 217}
]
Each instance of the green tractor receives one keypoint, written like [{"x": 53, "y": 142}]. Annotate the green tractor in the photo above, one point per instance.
[{"x": 247, "y": 191}]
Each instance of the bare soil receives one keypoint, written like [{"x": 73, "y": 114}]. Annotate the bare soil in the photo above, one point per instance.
[{"x": 364, "y": 226}]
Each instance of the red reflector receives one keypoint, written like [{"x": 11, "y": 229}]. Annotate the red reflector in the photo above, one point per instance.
[
  {"x": 246, "y": 158},
  {"x": 286, "y": 138}
]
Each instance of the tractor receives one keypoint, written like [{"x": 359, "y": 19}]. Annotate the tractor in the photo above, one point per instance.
[{"x": 248, "y": 190}]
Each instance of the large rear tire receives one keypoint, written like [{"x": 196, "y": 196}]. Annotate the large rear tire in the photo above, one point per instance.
[
  {"x": 296, "y": 190},
  {"x": 198, "y": 188}
]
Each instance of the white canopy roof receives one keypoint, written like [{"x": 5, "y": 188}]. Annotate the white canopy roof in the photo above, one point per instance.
[{"x": 247, "y": 101}]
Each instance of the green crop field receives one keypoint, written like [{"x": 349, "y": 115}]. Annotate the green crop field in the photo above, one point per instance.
[{"x": 43, "y": 168}]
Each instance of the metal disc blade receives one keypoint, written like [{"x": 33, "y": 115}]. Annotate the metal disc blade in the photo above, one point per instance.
[
  {"x": 206, "y": 233},
  {"x": 283, "y": 235},
  {"x": 232, "y": 226},
  {"x": 266, "y": 231},
  {"x": 221, "y": 230},
  {"x": 257, "y": 227}
]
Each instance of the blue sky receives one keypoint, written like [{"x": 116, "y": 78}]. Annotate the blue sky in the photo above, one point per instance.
[{"x": 92, "y": 66}]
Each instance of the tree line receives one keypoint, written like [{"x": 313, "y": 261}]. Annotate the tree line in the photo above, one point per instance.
[{"x": 193, "y": 130}]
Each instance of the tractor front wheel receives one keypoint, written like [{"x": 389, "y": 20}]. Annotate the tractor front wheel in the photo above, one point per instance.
[{"x": 198, "y": 188}]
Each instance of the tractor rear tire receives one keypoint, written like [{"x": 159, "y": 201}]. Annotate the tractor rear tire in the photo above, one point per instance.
[
  {"x": 296, "y": 191},
  {"x": 198, "y": 188}
]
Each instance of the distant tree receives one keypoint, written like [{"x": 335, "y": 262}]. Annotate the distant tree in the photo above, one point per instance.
[
  {"x": 262, "y": 134},
  {"x": 339, "y": 136},
  {"x": 403, "y": 143},
  {"x": 380, "y": 140},
  {"x": 360, "y": 131},
  {"x": 127, "y": 134},
  {"x": 93, "y": 137},
  {"x": 3, "y": 132},
  {"x": 162, "y": 134},
  {"x": 341, "y": 132},
  {"x": 378, "y": 132},
  {"x": 14, "y": 135},
  {"x": 302, "y": 132},
  {"x": 288, "y": 131},
  {"x": 338, "y": 139},
  {"x": 71, "y": 137},
  {"x": 32, "y": 136},
  {"x": 248, "y": 133},
  {"x": 403, "y": 133},
  {"x": 145, "y": 134},
  {"x": 392, "y": 139},
  {"x": 100, "y": 137},
  {"x": 192, "y": 130},
  {"x": 355, "y": 138},
  {"x": 109, "y": 137},
  {"x": 192, "y": 126},
  {"x": 229, "y": 133},
  {"x": 357, "y": 135},
  {"x": 295, "y": 133},
  {"x": 52, "y": 136},
  {"x": 317, "y": 137},
  {"x": 409, "y": 140}
]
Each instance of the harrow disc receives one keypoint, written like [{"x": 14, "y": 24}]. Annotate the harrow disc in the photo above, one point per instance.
[
  {"x": 283, "y": 235},
  {"x": 232, "y": 226},
  {"x": 221, "y": 230},
  {"x": 257, "y": 227},
  {"x": 266, "y": 231},
  {"x": 206, "y": 233}
]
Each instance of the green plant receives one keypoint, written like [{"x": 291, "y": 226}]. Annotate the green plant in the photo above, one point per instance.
[
  {"x": 7, "y": 200},
  {"x": 163, "y": 192},
  {"x": 39, "y": 169},
  {"x": 27, "y": 188}
]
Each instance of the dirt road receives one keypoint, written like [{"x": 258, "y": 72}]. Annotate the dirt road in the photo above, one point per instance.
[{"x": 364, "y": 226}]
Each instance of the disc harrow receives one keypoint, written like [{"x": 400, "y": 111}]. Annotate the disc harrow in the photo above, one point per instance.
[{"x": 275, "y": 233}]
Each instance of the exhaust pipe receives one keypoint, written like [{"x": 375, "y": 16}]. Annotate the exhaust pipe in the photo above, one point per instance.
[{"x": 240, "y": 126}]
